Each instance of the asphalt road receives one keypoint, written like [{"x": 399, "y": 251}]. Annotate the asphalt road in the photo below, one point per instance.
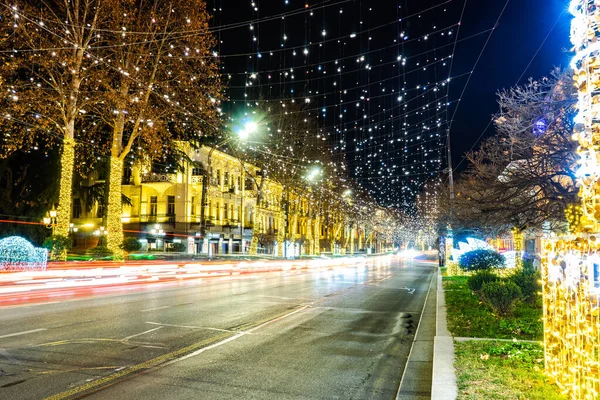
[{"x": 331, "y": 334}]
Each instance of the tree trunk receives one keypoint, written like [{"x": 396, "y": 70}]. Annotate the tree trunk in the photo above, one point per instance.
[
  {"x": 67, "y": 163},
  {"x": 256, "y": 230},
  {"x": 114, "y": 224},
  {"x": 281, "y": 235},
  {"x": 317, "y": 235}
]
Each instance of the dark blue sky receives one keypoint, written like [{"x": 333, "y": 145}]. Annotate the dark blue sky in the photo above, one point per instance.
[
  {"x": 521, "y": 31},
  {"x": 342, "y": 60}
]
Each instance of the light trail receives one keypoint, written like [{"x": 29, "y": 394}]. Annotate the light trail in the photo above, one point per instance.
[{"x": 64, "y": 280}]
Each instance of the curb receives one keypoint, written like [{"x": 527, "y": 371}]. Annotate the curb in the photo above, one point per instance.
[{"x": 443, "y": 385}]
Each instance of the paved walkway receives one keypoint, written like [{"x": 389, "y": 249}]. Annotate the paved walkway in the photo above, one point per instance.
[
  {"x": 444, "y": 378},
  {"x": 415, "y": 383}
]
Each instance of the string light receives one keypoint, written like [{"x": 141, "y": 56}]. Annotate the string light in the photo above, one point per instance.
[
  {"x": 17, "y": 254},
  {"x": 570, "y": 265}
]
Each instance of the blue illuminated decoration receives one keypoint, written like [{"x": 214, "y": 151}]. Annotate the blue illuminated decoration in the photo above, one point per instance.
[
  {"x": 17, "y": 254},
  {"x": 539, "y": 127}
]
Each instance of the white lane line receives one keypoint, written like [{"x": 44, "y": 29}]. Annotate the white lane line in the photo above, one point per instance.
[
  {"x": 140, "y": 334},
  {"x": 239, "y": 335},
  {"x": 287, "y": 298},
  {"x": 23, "y": 333},
  {"x": 156, "y": 308},
  {"x": 191, "y": 327}
]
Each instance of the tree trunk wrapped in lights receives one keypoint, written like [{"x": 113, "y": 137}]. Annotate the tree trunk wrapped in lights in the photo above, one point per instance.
[
  {"x": 281, "y": 245},
  {"x": 63, "y": 212},
  {"x": 114, "y": 224}
]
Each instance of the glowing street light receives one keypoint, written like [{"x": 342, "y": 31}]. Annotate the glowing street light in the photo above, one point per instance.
[{"x": 314, "y": 174}]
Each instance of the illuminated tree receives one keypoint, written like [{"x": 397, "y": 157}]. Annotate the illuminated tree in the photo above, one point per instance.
[
  {"x": 288, "y": 149},
  {"x": 46, "y": 70},
  {"x": 161, "y": 84}
]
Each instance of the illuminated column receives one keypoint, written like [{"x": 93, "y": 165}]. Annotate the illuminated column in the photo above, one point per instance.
[
  {"x": 571, "y": 265},
  {"x": 518, "y": 245}
]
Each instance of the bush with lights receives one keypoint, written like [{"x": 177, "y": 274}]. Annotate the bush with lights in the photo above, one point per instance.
[
  {"x": 481, "y": 259},
  {"x": 17, "y": 254}
]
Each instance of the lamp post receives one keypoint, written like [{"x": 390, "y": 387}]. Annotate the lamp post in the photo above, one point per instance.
[
  {"x": 50, "y": 220},
  {"x": 159, "y": 233},
  {"x": 249, "y": 128}
]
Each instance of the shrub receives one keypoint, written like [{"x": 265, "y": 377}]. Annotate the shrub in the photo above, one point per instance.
[
  {"x": 528, "y": 282},
  {"x": 477, "y": 260},
  {"x": 58, "y": 243},
  {"x": 57, "y": 246},
  {"x": 178, "y": 247},
  {"x": 501, "y": 295},
  {"x": 476, "y": 282},
  {"x": 131, "y": 243}
]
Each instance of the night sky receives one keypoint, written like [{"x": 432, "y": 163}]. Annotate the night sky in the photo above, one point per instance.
[{"x": 373, "y": 74}]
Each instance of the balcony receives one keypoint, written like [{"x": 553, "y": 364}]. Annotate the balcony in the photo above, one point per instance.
[
  {"x": 156, "y": 218},
  {"x": 168, "y": 178}
]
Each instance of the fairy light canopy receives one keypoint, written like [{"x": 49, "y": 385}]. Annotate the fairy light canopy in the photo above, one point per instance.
[{"x": 372, "y": 76}]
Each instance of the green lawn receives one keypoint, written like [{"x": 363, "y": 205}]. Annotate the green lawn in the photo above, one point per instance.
[
  {"x": 469, "y": 317},
  {"x": 502, "y": 370}
]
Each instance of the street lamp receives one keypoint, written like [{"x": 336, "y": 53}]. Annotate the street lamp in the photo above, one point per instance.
[
  {"x": 249, "y": 128},
  {"x": 50, "y": 219},
  {"x": 158, "y": 233}
]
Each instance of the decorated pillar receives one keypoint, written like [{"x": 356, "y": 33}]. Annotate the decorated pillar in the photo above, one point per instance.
[{"x": 571, "y": 265}]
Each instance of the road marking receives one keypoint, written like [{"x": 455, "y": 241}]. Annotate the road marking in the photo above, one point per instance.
[
  {"x": 287, "y": 298},
  {"x": 140, "y": 334},
  {"x": 237, "y": 336},
  {"x": 191, "y": 327},
  {"x": 156, "y": 308},
  {"x": 23, "y": 333},
  {"x": 160, "y": 360}
]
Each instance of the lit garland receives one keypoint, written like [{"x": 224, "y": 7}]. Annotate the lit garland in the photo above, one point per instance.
[
  {"x": 114, "y": 224},
  {"x": 63, "y": 212},
  {"x": 571, "y": 285},
  {"x": 518, "y": 243},
  {"x": 17, "y": 254}
]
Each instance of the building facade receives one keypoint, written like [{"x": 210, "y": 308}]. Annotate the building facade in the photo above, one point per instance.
[{"x": 164, "y": 209}]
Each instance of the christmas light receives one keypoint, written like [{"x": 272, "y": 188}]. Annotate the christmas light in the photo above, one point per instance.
[
  {"x": 570, "y": 282},
  {"x": 17, "y": 254}
]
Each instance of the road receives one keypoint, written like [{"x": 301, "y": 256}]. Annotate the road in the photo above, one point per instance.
[{"x": 342, "y": 333}]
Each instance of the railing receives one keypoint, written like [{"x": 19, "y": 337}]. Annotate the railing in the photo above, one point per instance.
[
  {"x": 159, "y": 178},
  {"x": 197, "y": 179},
  {"x": 167, "y": 218}
]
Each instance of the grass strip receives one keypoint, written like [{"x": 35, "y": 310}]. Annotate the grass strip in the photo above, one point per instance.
[
  {"x": 502, "y": 370},
  {"x": 468, "y": 316}
]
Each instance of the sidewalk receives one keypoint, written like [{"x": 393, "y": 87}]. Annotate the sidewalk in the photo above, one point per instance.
[
  {"x": 443, "y": 385},
  {"x": 416, "y": 382}
]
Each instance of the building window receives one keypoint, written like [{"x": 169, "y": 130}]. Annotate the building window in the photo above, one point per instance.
[
  {"x": 153, "y": 205},
  {"x": 218, "y": 177},
  {"x": 218, "y": 211},
  {"x": 100, "y": 210},
  {"x": 126, "y": 175},
  {"x": 197, "y": 171},
  {"x": 225, "y": 209},
  {"x": 170, "y": 205},
  {"x": 226, "y": 179},
  {"x": 76, "y": 208},
  {"x": 193, "y": 210}
]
